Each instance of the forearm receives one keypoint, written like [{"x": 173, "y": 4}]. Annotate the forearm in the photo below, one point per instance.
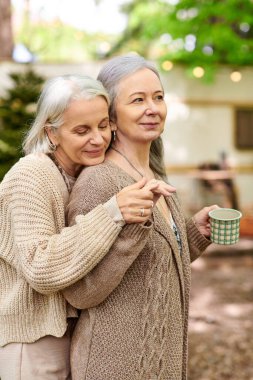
[
  {"x": 59, "y": 260},
  {"x": 197, "y": 242},
  {"x": 106, "y": 276}
]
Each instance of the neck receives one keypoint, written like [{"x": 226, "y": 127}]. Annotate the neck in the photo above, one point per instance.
[
  {"x": 133, "y": 161},
  {"x": 69, "y": 168},
  {"x": 138, "y": 155}
]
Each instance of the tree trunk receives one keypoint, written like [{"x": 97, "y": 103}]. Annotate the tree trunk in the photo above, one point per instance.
[{"x": 6, "y": 37}]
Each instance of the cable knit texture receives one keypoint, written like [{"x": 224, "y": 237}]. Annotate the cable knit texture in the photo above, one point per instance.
[
  {"x": 135, "y": 301},
  {"x": 39, "y": 256}
]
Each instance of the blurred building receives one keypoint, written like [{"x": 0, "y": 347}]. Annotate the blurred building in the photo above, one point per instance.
[{"x": 206, "y": 123}]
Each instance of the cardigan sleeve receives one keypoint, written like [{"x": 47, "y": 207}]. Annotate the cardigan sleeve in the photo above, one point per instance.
[
  {"x": 197, "y": 242},
  {"x": 106, "y": 276},
  {"x": 34, "y": 239}
]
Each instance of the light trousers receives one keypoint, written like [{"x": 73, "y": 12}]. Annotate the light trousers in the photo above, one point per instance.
[{"x": 45, "y": 359}]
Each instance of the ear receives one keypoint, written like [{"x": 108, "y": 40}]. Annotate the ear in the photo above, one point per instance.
[{"x": 51, "y": 135}]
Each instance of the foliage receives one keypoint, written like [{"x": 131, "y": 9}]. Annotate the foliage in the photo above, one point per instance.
[
  {"x": 203, "y": 33},
  {"x": 17, "y": 110},
  {"x": 56, "y": 42},
  {"x": 50, "y": 42}
]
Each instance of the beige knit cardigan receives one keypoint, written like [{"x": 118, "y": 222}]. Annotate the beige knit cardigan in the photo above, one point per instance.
[
  {"x": 38, "y": 255},
  {"x": 136, "y": 300}
]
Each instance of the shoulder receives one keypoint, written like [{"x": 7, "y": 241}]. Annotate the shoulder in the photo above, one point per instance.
[
  {"x": 107, "y": 174},
  {"x": 34, "y": 171},
  {"x": 104, "y": 174},
  {"x": 31, "y": 164},
  {"x": 98, "y": 170},
  {"x": 95, "y": 185}
]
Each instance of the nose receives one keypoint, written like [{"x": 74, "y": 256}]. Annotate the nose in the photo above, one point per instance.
[
  {"x": 151, "y": 109},
  {"x": 96, "y": 138}
]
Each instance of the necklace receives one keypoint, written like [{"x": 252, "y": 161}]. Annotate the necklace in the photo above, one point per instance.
[
  {"x": 68, "y": 179},
  {"x": 130, "y": 163}
]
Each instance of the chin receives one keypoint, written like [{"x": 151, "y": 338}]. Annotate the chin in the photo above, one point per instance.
[
  {"x": 94, "y": 161},
  {"x": 154, "y": 137},
  {"x": 155, "y": 134}
]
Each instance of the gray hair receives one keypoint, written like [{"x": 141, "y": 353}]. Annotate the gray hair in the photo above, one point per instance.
[
  {"x": 110, "y": 75},
  {"x": 118, "y": 68},
  {"x": 56, "y": 96}
]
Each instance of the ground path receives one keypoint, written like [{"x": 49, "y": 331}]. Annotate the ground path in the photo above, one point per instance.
[{"x": 221, "y": 316}]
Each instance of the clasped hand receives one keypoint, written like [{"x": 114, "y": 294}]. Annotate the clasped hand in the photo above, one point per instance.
[{"x": 136, "y": 201}]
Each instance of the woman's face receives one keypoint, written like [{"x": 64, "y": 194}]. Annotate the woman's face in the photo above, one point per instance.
[
  {"x": 140, "y": 107},
  {"x": 84, "y": 136}
]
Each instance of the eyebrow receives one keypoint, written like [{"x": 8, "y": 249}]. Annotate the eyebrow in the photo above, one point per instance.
[
  {"x": 143, "y": 92},
  {"x": 105, "y": 119},
  {"x": 87, "y": 126}
]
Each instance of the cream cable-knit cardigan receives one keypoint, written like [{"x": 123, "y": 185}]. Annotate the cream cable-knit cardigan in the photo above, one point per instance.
[
  {"x": 38, "y": 256},
  {"x": 135, "y": 319}
]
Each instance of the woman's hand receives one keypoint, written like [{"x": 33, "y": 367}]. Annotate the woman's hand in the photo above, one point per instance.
[
  {"x": 201, "y": 220},
  {"x": 161, "y": 188},
  {"x": 137, "y": 201}
]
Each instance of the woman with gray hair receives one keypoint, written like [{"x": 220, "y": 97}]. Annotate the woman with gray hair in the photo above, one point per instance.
[
  {"x": 39, "y": 256},
  {"x": 135, "y": 302}
]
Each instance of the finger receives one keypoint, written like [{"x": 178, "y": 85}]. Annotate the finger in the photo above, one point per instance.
[
  {"x": 136, "y": 215},
  {"x": 151, "y": 185},
  {"x": 162, "y": 187},
  {"x": 156, "y": 183},
  {"x": 166, "y": 187},
  {"x": 137, "y": 185},
  {"x": 164, "y": 191},
  {"x": 143, "y": 212},
  {"x": 213, "y": 207},
  {"x": 146, "y": 205},
  {"x": 140, "y": 197}
]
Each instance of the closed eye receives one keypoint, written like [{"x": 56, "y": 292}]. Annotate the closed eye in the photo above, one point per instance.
[
  {"x": 82, "y": 132},
  {"x": 104, "y": 126}
]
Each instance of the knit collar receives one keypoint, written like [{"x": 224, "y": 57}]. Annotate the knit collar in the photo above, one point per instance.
[{"x": 68, "y": 179}]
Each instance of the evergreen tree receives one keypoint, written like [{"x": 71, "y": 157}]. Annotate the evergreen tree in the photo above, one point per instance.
[{"x": 17, "y": 110}]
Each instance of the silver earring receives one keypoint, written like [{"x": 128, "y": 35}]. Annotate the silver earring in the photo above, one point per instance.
[
  {"x": 114, "y": 135},
  {"x": 52, "y": 146}
]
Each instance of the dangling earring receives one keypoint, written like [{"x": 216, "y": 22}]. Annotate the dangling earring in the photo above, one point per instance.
[
  {"x": 51, "y": 145},
  {"x": 114, "y": 135}
]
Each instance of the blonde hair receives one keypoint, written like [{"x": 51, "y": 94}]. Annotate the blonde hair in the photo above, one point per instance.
[{"x": 57, "y": 94}]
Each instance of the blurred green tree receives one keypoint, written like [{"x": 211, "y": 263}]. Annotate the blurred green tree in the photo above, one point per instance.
[
  {"x": 17, "y": 111},
  {"x": 204, "y": 33},
  {"x": 53, "y": 41}
]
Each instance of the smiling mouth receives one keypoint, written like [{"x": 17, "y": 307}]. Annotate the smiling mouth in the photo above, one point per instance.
[
  {"x": 151, "y": 121},
  {"x": 99, "y": 152},
  {"x": 150, "y": 125}
]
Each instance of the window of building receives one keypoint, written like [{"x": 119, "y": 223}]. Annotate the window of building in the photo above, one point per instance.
[{"x": 244, "y": 128}]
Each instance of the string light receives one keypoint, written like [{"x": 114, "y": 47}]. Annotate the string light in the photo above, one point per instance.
[
  {"x": 236, "y": 76},
  {"x": 167, "y": 65},
  {"x": 198, "y": 72}
]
